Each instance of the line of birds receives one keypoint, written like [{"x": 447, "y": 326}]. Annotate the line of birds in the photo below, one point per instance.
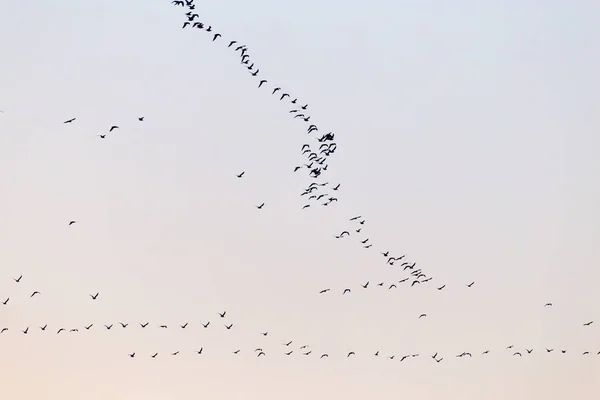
[
  {"x": 304, "y": 350},
  {"x": 307, "y": 352},
  {"x": 316, "y": 158},
  {"x": 95, "y": 296}
]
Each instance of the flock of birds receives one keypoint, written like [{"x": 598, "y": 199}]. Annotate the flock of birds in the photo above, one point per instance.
[
  {"x": 283, "y": 348},
  {"x": 317, "y": 193}
]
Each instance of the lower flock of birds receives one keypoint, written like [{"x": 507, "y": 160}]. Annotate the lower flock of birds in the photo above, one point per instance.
[
  {"x": 317, "y": 193},
  {"x": 282, "y": 348}
]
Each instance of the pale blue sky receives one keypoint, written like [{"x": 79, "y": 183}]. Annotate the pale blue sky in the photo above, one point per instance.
[{"x": 467, "y": 136}]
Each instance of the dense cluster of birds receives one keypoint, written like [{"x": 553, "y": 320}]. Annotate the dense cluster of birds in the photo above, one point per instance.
[{"x": 317, "y": 153}]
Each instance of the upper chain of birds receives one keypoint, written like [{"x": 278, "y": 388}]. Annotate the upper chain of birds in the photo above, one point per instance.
[{"x": 316, "y": 158}]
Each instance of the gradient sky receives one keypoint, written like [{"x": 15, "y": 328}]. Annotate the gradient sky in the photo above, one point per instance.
[{"x": 467, "y": 137}]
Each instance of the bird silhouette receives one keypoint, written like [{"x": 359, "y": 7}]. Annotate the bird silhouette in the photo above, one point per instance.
[
  {"x": 112, "y": 128},
  {"x": 69, "y": 121},
  {"x": 241, "y": 174},
  {"x": 18, "y": 279},
  {"x": 229, "y": 326},
  {"x": 588, "y": 323},
  {"x": 222, "y": 315},
  {"x": 34, "y": 293},
  {"x": 94, "y": 297},
  {"x": 261, "y": 206}
]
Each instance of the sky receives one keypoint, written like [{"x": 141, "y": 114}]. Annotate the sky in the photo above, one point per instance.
[{"x": 467, "y": 137}]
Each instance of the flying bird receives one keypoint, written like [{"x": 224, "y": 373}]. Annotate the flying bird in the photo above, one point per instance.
[
  {"x": 34, "y": 293},
  {"x": 470, "y": 284},
  {"x": 69, "y": 121},
  {"x": 261, "y": 206},
  {"x": 94, "y": 297},
  {"x": 72, "y": 222},
  {"x": 222, "y": 315},
  {"x": 112, "y": 128},
  {"x": 18, "y": 279},
  {"x": 241, "y": 174}
]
